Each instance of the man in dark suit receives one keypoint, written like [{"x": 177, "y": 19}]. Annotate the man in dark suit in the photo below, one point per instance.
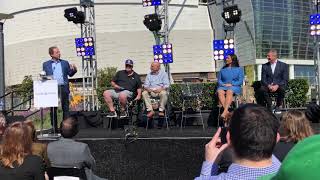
[
  {"x": 60, "y": 70},
  {"x": 67, "y": 153},
  {"x": 274, "y": 79}
]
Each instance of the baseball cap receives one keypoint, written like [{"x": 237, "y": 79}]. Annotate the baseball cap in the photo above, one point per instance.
[
  {"x": 129, "y": 62},
  {"x": 302, "y": 162}
]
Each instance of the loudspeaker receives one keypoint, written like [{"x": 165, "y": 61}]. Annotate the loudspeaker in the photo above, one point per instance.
[{"x": 88, "y": 119}]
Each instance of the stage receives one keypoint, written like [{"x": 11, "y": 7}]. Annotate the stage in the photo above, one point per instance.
[{"x": 153, "y": 154}]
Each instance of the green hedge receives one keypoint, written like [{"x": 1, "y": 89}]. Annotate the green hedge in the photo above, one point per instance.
[{"x": 296, "y": 95}]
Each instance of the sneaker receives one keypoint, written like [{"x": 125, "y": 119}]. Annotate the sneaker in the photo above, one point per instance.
[
  {"x": 112, "y": 114},
  {"x": 277, "y": 110},
  {"x": 123, "y": 114}
]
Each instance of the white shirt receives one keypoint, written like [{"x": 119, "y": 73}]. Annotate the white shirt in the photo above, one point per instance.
[{"x": 273, "y": 66}]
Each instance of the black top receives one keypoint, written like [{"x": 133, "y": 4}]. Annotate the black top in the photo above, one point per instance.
[
  {"x": 282, "y": 148},
  {"x": 130, "y": 83},
  {"x": 31, "y": 169}
]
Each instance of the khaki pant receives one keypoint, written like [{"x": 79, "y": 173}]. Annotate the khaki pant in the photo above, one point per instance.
[{"x": 147, "y": 99}]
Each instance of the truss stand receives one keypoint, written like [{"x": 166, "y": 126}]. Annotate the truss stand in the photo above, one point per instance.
[
  {"x": 163, "y": 35},
  {"x": 89, "y": 63}
]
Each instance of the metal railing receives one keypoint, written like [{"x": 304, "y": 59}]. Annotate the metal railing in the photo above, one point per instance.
[{"x": 19, "y": 106}]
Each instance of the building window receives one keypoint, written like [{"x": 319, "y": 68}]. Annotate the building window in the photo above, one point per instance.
[{"x": 305, "y": 72}]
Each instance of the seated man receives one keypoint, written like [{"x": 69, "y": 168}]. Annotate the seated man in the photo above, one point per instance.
[
  {"x": 67, "y": 153},
  {"x": 125, "y": 84},
  {"x": 274, "y": 79},
  {"x": 252, "y": 135},
  {"x": 156, "y": 84}
]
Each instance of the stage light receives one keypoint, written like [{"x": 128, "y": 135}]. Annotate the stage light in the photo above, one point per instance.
[
  {"x": 163, "y": 53},
  {"x": 314, "y": 24},
  {"x": 85, "y": 46},
  {"x": 316, "y": 2},
  {"x": 223, "y": 48},
  {"x": 146, "y": 3},
  {"x": 72, "y": 14},
  {"x": 231, "y": 14},
  {"x": 152, "y": 22}
]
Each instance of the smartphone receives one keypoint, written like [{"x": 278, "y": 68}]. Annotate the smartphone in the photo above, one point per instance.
[{"x": 223, "y": 135}]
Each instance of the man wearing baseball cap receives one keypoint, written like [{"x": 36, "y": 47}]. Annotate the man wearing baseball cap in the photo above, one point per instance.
[{"x": 126, "y": 83}]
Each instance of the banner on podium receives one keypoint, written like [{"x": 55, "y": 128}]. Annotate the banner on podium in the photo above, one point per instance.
[{"x": 45, "y": 93}]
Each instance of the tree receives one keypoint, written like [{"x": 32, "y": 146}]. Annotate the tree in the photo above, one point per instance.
[{"x": 25, "y": 89}]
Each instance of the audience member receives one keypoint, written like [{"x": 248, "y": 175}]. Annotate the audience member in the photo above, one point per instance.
[
  {"x": 301, "y": 163},
  {"x": 67, "y": 153},
  {"x": 294, "y": 127},
  {"x": 16, "y": 160},
  {"x": 252, "y": 135},
  {"x": 38, "y": 149},
  {"x": 313, "y": 112},
  {"x": 3, "y": 124},
  {"x": 156, "y": 85}
]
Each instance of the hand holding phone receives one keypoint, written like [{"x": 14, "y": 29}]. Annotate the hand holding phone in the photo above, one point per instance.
[{"x": 223, "y": 135}]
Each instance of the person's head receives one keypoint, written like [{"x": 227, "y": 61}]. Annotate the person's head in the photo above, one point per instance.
[
  {"x": 295, "y": 126},
  {"x": 54, "y": 52},
  {"x": 253, "y": 132},
  {"x": 313, "y": 112},
  {"x": 69, "y": 127},
  {"x": 155, "y": 67},
  {"x": 3, "y": 123},
  {"x": 16, "y": 144},
  {"x": 31, "y": 129},
  {"x": 232, "y": 61},
  {"x": 129, "y": 65},
  {"x": 272, "y": 55}
]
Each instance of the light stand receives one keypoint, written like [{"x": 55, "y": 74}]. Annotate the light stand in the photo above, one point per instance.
[
  {"x": 2, "y": 65},
  {"x": 316, "y": 56}
]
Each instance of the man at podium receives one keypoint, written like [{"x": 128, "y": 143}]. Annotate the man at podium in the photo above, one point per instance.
[{"x": 59, "y": 70}]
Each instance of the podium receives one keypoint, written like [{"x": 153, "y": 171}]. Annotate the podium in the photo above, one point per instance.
[{"x": 45, "y": 93}]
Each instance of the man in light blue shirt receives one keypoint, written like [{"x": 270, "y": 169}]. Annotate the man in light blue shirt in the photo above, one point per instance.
[
  {"x": 57, "y": 72},
  {"x": 251, "y": 135},
  {"x": 60, "y": 70},
  {"x": 156, "y": 85}
]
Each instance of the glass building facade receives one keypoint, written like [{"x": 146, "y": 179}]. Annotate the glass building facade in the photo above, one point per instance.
[
  {"x": 305, "y": 72},
  {"x": 283, "y": 25},
  {"x": 271, "y": 24}
]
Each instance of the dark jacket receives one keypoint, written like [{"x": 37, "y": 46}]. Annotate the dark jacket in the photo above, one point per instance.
[
  {"x": 280, "y": 76},
  {"x": 66, "y": 71}
]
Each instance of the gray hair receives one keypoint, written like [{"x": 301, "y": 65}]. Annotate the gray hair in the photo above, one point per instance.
[{"x": 274, "y": 51}]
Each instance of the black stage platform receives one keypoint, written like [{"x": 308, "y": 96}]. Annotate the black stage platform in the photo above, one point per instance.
[{"x": 159, "y": 154}]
